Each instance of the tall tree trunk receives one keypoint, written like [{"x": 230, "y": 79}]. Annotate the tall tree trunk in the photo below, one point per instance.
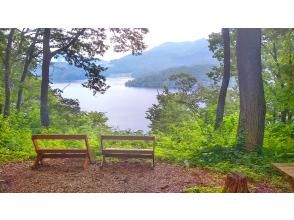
[
  {"x": 7, "y": 72},
  {"x": 45, "y": 78},
  {"x": 28, "y": 60},
  {"x": 226, "y": 79},
  {"x": 252, "y": 102}
]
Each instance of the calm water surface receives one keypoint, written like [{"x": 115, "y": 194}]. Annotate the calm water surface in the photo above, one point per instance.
[{"x": 124, "y": 106}]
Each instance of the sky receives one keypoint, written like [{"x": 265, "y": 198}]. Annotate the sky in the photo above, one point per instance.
[{"x": 159, "y": 35}]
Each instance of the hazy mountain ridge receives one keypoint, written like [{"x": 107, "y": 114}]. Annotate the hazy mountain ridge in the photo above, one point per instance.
[{"x": 165, "y": 56}]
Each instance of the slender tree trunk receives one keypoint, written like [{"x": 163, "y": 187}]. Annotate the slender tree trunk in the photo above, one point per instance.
[
  {"x": 7, "y": 72},
  {"x": 275, "y": 57},
  {"x": 20, "y": 89},
  {"x": 283, "y": 115},
  {"x": 45, "y": 78},
  {"x": 20, "y": 43},
  {"x": 289, "y": 116},
  {"x": 28, "y": 60},
  {"x": 226, "y": 79},
  {"x": 274, "y": 116},
  {"x": 252, "y": 102},
  {"x": 284, "y": 110}
]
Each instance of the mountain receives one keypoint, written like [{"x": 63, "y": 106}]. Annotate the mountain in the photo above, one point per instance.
[
  {"x": 166, "y": 55},
  {"x": 160, "y": 58},
  {"x": 160, "y": 78}
]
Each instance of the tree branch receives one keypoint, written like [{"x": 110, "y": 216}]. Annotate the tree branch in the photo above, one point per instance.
[{"x": 69, "y": 44}]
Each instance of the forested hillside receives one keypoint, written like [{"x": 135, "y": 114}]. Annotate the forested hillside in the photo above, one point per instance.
[{"x": 161, "y": 78}]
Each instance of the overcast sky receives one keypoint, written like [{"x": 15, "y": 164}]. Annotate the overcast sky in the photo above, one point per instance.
[
  {"x": 159, "y": 35},
  {"x": 167, "y": 20}
]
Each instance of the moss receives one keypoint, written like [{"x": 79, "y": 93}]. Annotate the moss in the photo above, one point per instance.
[{"x": 203, "y": 189}]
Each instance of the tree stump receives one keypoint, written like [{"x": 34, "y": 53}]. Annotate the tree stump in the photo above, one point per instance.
[
  {"x": 3, "y": 185},
  {"x": 236, "y": 183}
]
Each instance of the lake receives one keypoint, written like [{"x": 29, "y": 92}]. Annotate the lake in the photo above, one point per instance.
[{"x": 124, "y": 106}]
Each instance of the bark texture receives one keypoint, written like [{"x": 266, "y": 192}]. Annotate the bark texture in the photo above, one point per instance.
[
  {"x": 8, "y": 72},
  {"x": 45, "y": 78},
  {"x": 236, "y": 183},
  {"x": 252, "y": 102},
  {"x": 226, "y": 79}
]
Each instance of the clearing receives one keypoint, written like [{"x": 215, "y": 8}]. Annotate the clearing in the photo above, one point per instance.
[{"x": 69, "y": 176}]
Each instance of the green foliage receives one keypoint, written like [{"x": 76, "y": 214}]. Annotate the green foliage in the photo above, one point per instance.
[
  {"x": 278, "y": 73},
  {"x": 203, "y": 189},
  {"x": 198, "y": 144},
  {"x": 216, "y": 45},
  {"x": 192, "y": 140}
]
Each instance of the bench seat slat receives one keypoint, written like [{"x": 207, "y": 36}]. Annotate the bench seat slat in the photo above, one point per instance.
[
  {"x": 59, "y": 136},
  {"x": 121, "y": 155},
  {"x": 127, "y": 151},
  {"x": 132, "y": 138},
  {"x": 44, "y": 151},
  {"x": 64, "y": 155},
  {"x": 286, "y": 168}
]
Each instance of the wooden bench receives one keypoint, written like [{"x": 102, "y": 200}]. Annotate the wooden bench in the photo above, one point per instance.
[
  {"x": 287, "y": 169},
  {"x": 61, "y": 153},
  {"x": 128, "y": 153}
]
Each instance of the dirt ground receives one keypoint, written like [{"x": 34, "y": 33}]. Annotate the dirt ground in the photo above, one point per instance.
[{"x": 120, "y": 176}]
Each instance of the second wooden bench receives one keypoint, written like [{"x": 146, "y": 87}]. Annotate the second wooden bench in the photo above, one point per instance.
[{"x": 128, "y": 153}]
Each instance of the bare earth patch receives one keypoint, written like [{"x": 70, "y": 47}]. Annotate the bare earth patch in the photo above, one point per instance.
[{"x": 69, "y": 176}]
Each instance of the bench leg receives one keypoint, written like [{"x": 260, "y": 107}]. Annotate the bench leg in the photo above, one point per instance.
[
  {"x": 292, "y": 183},
  {"x": 86, "y": 162},
  {"x": 37, "y": 162},
  {"x": 153, "y": 162},
  {"x": 41, "y": 161},
  {"x": 102, "y": 161},
  {"x": 92, "y": 161}
]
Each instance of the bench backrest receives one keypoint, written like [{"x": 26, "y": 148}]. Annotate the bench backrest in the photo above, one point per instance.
[
  {"x": 36, "y": 137},
  {"x": 127, "y": 138}
]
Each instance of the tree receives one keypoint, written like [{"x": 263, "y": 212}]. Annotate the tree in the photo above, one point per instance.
[
  {"x": 216, "y": 46},
  {"x": 29, "y": 56},
  {"x": 79, "y": 47},
  {"x": 226, "y": 78},
  {"x": 252, "y": 102},
  {"x": 278, "y": 61},
  {"x": 183, "y": 82},
  {"x": 7, "y": 65}
]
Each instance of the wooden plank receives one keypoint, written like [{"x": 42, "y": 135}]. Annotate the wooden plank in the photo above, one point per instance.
[
  {"x": 64, "y": 155},
  {"x": 132, "y": 138},
  {"x": 36, "y": 145},
  {"x": 286, "y": 168},
  {"x": 60, "y": 136},
  {"x": 61, "y": 151},
  {"x": 126, "y": 151},
  {"x": 149, "y": 156}
]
